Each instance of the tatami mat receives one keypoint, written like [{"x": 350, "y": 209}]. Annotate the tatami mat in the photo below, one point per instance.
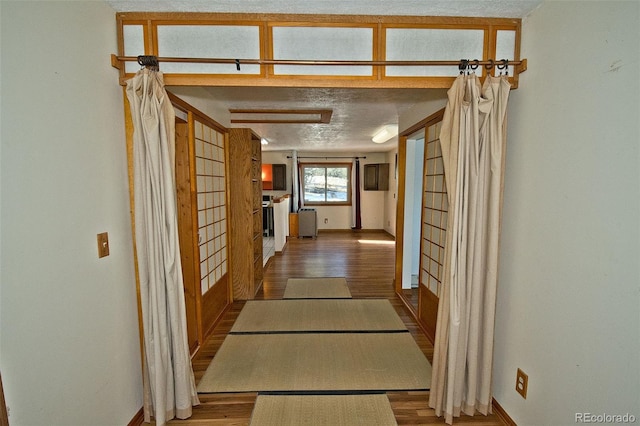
[
  {"x": 317, "y": 288},
  {"x": 317, "y": 362},
  {"x": 265, "y": 316},
  {"x": 322, "y": 410}
]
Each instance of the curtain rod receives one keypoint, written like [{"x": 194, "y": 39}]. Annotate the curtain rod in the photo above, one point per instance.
[
  {"x": 326, "y": 158},
  {"x": 466, "y": 63}
]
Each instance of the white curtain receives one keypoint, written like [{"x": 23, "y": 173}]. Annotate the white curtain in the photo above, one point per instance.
[
  {"x": 169, "y": 383},
  {"x": 473, "y": 139}
]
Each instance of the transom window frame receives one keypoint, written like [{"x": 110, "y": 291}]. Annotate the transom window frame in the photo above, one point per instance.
[
  {"x": 266, "y": 23},
  {"x": 348, "y": 166}
]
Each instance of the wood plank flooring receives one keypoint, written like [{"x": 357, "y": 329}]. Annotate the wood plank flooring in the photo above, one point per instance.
[{"x": 367, "y": 261}]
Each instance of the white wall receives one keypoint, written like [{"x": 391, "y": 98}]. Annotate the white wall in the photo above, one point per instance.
[
  {"x": 279, "y": 157},
  {"x": 372, "y": 203},
  {"x": 568, "y": 309},
  {"x": 391, "y": 195},
  {"x": 199, "y": 98},
  {"x": 412, "y": 210},
  {"x": 69, "y": 347},
  {"x": 418, "y": 112}
]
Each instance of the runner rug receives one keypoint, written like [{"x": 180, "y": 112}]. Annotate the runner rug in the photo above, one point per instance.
[
  {"x": 327, "y": 362},
  {"x": 317, "y": 315},
  {"x": 317, "y": 288},
  {"x": 322, "y": 410}
]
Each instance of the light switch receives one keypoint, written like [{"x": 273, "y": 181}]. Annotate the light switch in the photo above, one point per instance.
[{"x": 103, "y": 245}]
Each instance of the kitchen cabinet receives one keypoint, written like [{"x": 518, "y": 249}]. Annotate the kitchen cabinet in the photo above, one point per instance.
[{"x": 376, "y": 177}]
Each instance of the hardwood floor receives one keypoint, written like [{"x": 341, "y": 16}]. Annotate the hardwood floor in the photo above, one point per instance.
[{"x": 367, "y": 261}]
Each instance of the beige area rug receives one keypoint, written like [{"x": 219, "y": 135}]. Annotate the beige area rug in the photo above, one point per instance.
[
  {"x": 317, "y": 288},
  {"x": 313, "y": 315},
  {"x": 322, "y": 410},
  {"x": 344, "y": 362}
]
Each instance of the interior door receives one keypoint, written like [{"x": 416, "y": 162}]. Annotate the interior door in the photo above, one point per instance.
[
  {"x": 435, "y": 210},
  {"x": 185, "y": 229}
]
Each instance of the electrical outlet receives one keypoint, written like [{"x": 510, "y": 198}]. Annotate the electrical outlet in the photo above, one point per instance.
[
  {"x": 103, "y": 245},
  {"x": 521, "y": 383},
  {"x": 326, "y": 220}
]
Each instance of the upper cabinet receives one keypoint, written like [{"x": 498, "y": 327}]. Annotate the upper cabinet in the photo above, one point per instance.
[
  {"x": 274, "y": 177},
  {"x": 376, "y": 177},
  {"x": 279, "y": 177}
]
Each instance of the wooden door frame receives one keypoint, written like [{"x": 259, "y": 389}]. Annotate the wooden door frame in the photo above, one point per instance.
[
  {"x": 4, "y": 415},
  {"x": 185, "y": 202},
  {"x": 400, "y": 207}
]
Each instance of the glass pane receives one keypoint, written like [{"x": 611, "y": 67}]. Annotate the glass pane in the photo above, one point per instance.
[
  {"x": 337, "y": 181},
  {"x": 314, "y": 184},
  {"x": 133, "y": 36},
  {"x": 323, "y": 43},
  {"x": 425, "y": 44},
  {"x": 209, "y": 41},
  {"x": 505, "y": 47}
]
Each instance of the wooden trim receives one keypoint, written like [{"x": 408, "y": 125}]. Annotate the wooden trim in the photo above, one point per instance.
[
  {"x": 128, "y": 125},
  {"x": 402, "y": 161},
  {"x": 270, "y": 260},
  {"x": 414, "y": 313},
  {"x": 402, "y": 166},
  {"x": 293, "y": 225},
  {"x": 193, "y": 189},
  {"x": 321, "y": 164},
  {"x": 304, "y": 81},
  {"x": 197, "y": 17},
  {"x": 324, "y": 115},
  {"x": 214, "y": 303},
  {"x": 138, "y": 418},
  {"x": 184, "y": 202},
  {"x": 423, "y": 124},
  {"x": 4, "y": 415},
  {"x": 388, "y": 233},
  {"x": 266, "y": 22},
  {"x": 412, "y": 309},
  {"x": 227, "y": 187},
  {"x": 183, "y": 106},
  {"x": 428, "y": 311},
  {"x": 501, "y": 413},
  {"x": 350, "y": 231}
]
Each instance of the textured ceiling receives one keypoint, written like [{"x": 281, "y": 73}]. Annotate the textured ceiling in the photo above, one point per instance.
[
  {"x": 484, "y": 8},
  {"x": 357, "y": 113}
]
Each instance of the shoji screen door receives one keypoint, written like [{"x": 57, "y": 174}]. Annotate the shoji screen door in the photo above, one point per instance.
[
  {"x": 435, "y": 209},
  {"x": 211, "y": 204}
]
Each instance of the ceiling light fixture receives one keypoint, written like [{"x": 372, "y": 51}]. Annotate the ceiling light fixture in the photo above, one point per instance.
[{"x": 386, "y": 133}]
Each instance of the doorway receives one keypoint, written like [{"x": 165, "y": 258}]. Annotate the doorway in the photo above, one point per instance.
[
  {"x": 412, "y": 216},
  {"x": 423, "y": 207}
]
